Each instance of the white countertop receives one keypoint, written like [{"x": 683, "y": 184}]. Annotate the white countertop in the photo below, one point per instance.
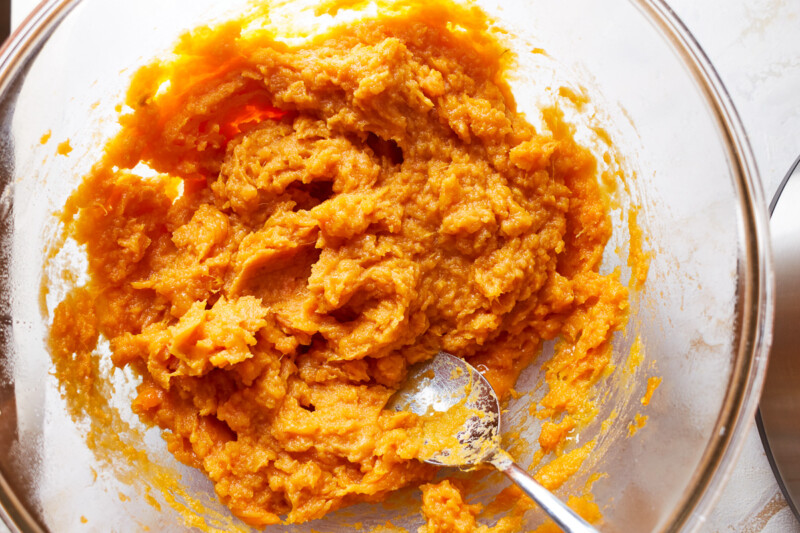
[{"x": 755, "y": 47}]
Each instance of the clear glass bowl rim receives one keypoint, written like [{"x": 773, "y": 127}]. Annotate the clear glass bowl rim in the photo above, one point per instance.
[{"x": 755, "y": 291}]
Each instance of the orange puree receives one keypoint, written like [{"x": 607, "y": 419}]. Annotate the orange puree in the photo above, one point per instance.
[
  {"x": 445, "y": 510},
  {"x": 325, "y": 214}
]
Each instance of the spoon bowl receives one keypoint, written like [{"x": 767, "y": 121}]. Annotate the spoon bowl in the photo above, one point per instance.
[
  {"x": 461, "y": 428},
  {"x": 449, "y": 393}
]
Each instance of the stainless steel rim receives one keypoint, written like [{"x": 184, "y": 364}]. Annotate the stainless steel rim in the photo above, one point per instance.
[
  {"x": 755, "y": 305},
  {"x": 779, "y": 409}
]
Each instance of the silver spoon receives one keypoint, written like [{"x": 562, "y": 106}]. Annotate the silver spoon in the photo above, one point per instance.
[{"x": 452, "y": 394}]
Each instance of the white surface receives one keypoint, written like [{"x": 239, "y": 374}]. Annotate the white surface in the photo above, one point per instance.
[{"x": 755, "y": 46}]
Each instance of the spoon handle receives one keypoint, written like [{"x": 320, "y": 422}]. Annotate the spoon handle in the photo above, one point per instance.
[{"x": 567, "y": 519}]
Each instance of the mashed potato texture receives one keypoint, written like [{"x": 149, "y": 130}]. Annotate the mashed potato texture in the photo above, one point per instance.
[{"x": 322, "y": 216}]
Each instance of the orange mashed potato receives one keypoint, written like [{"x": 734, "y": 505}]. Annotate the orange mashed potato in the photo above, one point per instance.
[{"x": 322, "y": 216}]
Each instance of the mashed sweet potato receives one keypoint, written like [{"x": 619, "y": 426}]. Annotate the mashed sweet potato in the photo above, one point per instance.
[{"x": 322, "y": 216}]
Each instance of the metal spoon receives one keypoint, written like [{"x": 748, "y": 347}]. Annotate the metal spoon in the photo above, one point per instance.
[{"x": 454, "y": 395}]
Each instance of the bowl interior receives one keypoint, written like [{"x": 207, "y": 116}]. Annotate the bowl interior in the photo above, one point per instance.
[{"x": 682, "y": 179}]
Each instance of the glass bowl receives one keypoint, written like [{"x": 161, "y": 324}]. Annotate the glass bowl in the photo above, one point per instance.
[{"x": 704, "y": 316}]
